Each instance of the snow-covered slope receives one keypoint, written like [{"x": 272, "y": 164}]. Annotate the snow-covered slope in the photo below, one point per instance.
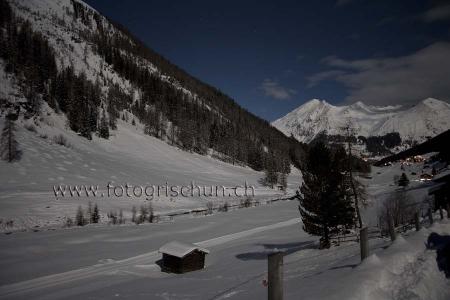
[
  {"x": 54, "y": 20},
  {"x": 426, "y": 119},
  {"x": 129, "y": 157}
]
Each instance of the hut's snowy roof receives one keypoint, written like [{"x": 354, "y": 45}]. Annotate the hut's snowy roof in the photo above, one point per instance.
[{"x": 180, "y": 249}]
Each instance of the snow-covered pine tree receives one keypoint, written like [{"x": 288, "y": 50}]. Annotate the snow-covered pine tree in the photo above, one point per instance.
[
  {"x": 325, "y": 206},
  {"x": 121, "y": 219},
  {"x": 103, "y": 129},
  {"x": 9, "y": 149},
  {"x": 79, "y": 217},
  {"x": 96, "y": 214},
  {"x": 143, "y": 213},
  {"x": 271, "y": 175},
  {"x": 133, "y": 214},
  {"x": 90, "y": 212},
  {"x": 282, "y": 180},
  {"x": 151, "y": 217},
  {"x": 349, "y": 132},
  {"x": 403, "y": 180}
]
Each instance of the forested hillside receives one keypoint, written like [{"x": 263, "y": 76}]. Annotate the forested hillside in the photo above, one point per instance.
[{"x": 172, "y": 105}]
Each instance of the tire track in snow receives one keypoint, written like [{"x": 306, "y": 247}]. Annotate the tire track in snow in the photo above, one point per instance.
[{"x": 23, "y": 287}]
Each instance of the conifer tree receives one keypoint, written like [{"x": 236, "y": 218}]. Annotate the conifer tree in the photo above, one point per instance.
[
  {"x": 143, "y": 214},
  {"x": 271, "y": 176},
  {"x": 103, "y": 130},
  {"x": 79, "y": 217},
  {"x": 90, "y": 212},
  {"x": 121, "y": 219},
  {"x": 403, "y": 180},
  {"x": 349, "y": 132},
  {"x": 325, "y": 207},
  {"x": 96, "y": 214},
  {"x": 282, "y": 180},
  {"x": 9, "y": 149},
  {"x": 151, "y": 217},
  {"x": 133, "y": 214}
]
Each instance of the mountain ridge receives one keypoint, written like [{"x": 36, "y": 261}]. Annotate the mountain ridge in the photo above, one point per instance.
[
  {"x": 100, "y": 72},
  {"x": 427, "y": 118}
]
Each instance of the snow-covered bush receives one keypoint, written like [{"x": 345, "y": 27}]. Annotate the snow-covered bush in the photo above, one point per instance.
[
  {"x": 400, "y": 206},
  {"x": 80, "y": 220},
  {"x": 30, "y": 127},
  {"x": 224, "y": 207},
  {"x": 69, "y": 222},
  {"x": 134, "y": 218},
  {"x": 209, "y": 207},
  {"x": 113, "y": 218},
  {"x": 60, "y": 139}
]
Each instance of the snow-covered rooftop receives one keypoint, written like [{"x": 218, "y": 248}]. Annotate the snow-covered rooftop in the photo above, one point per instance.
[{"x": 180, "y": 249}]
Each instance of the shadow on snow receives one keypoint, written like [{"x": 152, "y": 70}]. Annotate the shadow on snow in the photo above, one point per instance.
[
  {"x": 287, "y": 248},
  {"x": 441, "y": 243}
]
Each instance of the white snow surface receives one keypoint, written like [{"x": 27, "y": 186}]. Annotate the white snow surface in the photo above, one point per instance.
[
  {"x": 104, "y": 262},
  {"x": 425, "y": 119},
  {"x": 128, "y": 157},
  {"x": 180, "y": 249}
]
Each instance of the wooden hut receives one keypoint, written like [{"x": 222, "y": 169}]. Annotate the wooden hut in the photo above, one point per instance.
[
  {"x": 441, "y": 191},
  {"x": 179, "y": 257}
]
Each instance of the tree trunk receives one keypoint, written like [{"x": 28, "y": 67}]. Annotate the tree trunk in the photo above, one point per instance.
[
  {"x": 325, "y": 240},
  {"x": 391, "y": 226},
  {"x": 10, "y": 141},
  {"x": 417, "y": 221},
  {"x": 352, "y": 184}
]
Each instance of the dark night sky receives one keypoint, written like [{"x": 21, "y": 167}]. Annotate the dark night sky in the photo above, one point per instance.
[{"x": 272, "y": 56}]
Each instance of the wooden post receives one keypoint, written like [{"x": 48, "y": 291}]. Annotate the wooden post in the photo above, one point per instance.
[
  {"x": 448, "y": 210},
  {"x": 364, "y": 242},
  {"x": 275, "y": 276},
  {"x": 380, "y": 226},
  {"x": 430, "y": 216},
  {"x": 417, "y": 221},
  {"x": 441, "y": 212},
  {"x": 391, "y": 225}
]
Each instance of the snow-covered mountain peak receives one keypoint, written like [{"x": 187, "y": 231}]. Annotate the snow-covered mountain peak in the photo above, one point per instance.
[
  {"x": 314, "y": 103},
  {"x": 360, "y": 104},
  {"x": 428, "y": 118},
  {"x": 435, "y": 103}
]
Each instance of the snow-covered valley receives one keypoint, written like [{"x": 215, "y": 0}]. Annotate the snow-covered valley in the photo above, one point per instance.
[
  {"x": 129, "y": 157},
  {"x": 104, "y": 262},
  {"x": 123, "y": 176}
]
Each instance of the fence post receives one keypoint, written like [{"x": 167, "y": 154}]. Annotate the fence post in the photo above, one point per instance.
[
  {"x": 417, "y": 221},
  {"x": 430, "y": 216},
  {"x": 391, "y": 227},
  {"x": 448, "y": 210},
  {"x": 441, "y": 212},
  {"x": 275, "y": 276},
  {"x": 364, "y": 242}
]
